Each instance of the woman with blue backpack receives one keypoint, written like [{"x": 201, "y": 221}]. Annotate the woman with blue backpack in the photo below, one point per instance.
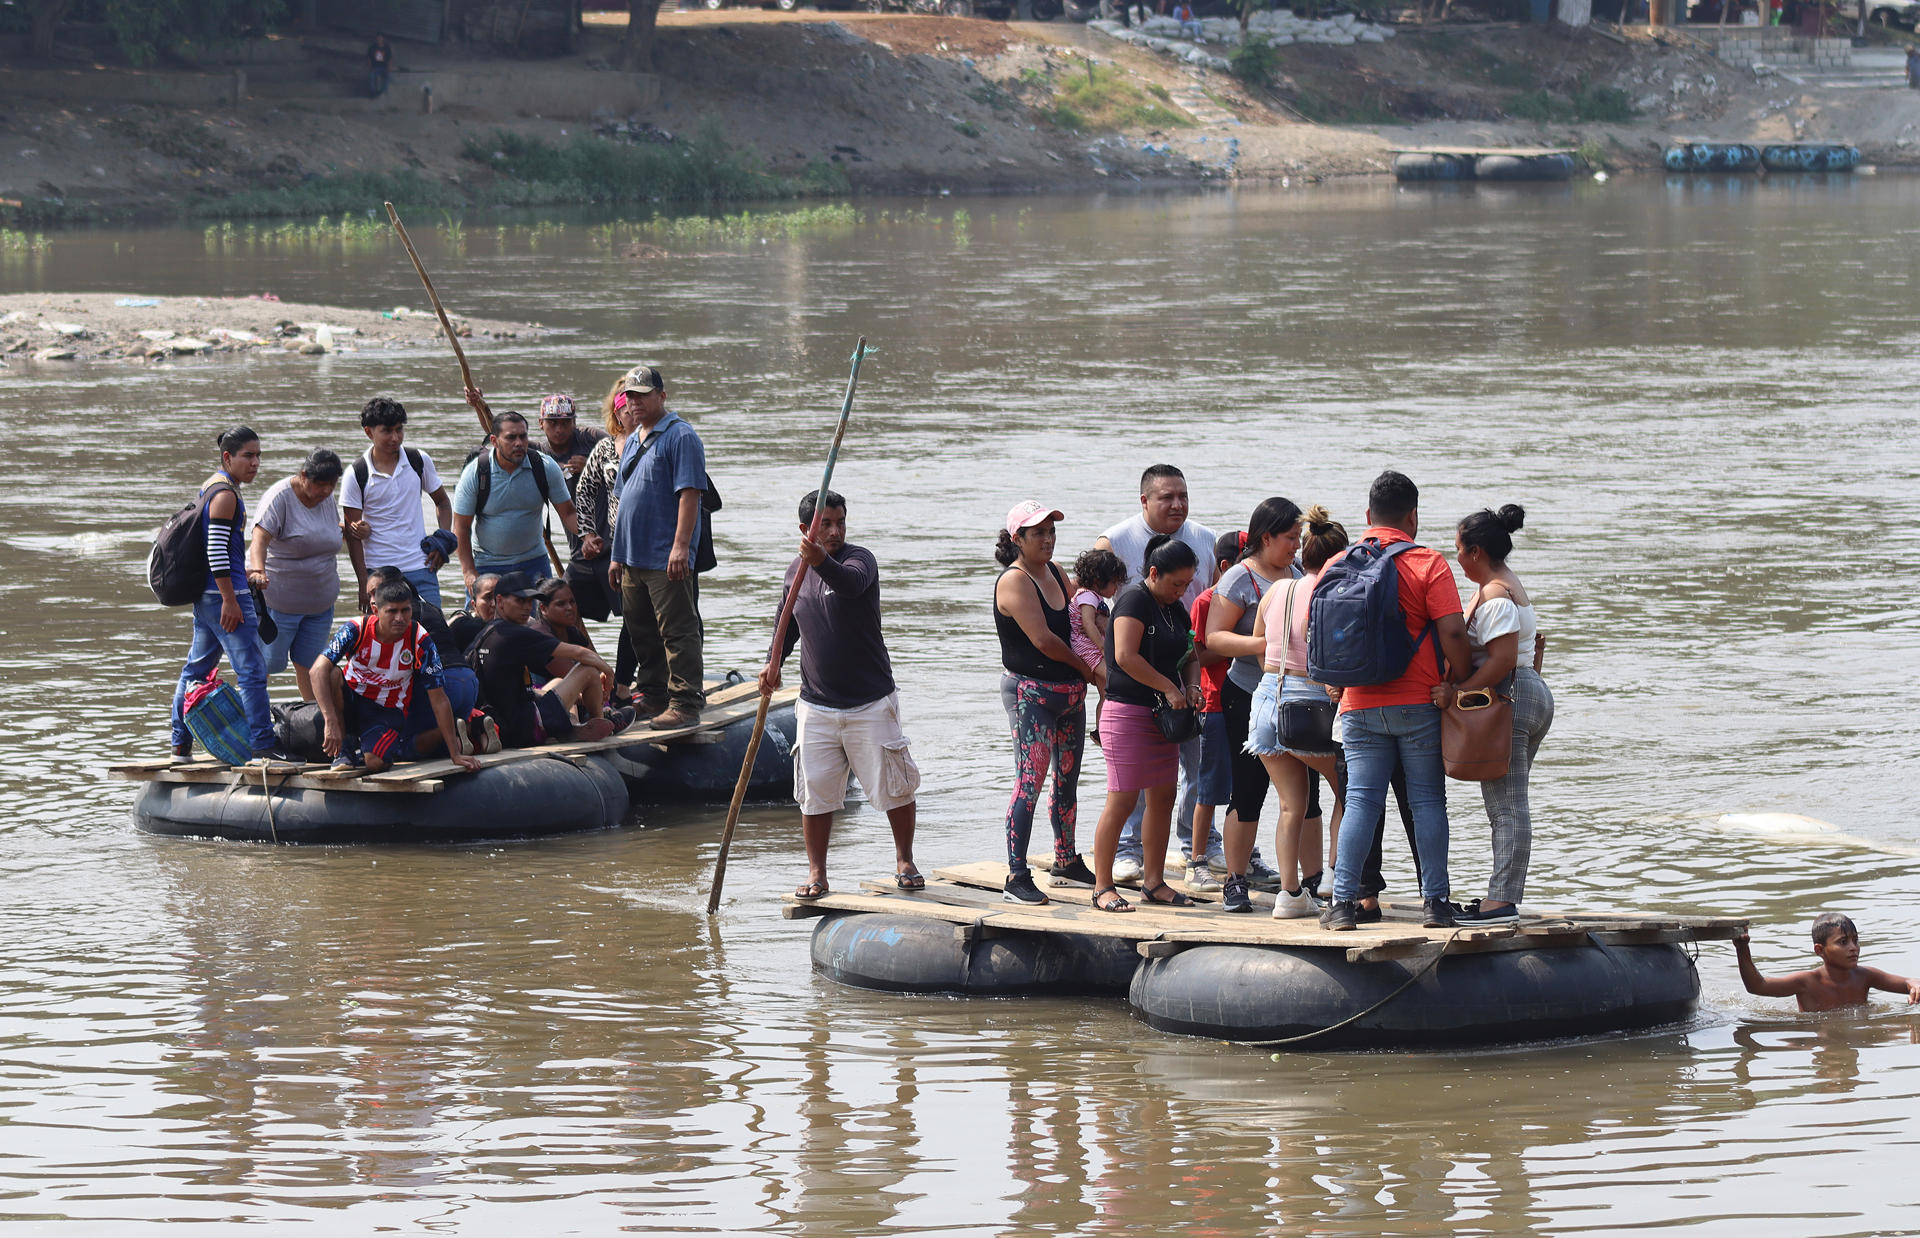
[{"x": 224, "y": 620}]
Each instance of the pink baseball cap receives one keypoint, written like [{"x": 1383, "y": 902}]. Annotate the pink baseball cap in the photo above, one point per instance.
[{"x": 1029, "y": 512}]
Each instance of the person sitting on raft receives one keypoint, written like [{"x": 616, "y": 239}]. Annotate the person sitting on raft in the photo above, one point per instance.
[
  {"x": 467, "y": 624},
  {"x": 508, "y": 654},
  {"x": 366, "y": 680},
  {"x": 457, "y": 678},
  {"x": 1839, "y": 981}
]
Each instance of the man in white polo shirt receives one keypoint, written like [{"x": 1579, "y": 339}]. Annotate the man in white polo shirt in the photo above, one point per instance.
[{"x": 380, "y": 505}]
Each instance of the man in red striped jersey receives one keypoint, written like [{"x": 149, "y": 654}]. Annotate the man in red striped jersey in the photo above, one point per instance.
[{"x": 365, "y": 682}]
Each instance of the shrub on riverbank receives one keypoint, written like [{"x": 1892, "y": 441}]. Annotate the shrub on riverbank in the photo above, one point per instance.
[
  {"x": 701, "y": 168},
  {"x": 1605, "y": 104},
  {"x": 1103, "y": 98},
  {"x": 328, "y": 195}
]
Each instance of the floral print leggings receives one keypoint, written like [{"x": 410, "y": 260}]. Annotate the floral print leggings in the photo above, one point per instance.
[{"x": 1049, "y": 722}]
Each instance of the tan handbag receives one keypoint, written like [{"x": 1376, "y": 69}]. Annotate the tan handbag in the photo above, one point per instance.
[{"x": 1476, "y": 733}]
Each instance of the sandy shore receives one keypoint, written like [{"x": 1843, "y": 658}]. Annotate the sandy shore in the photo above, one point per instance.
[{"x": 56, "y": 328}]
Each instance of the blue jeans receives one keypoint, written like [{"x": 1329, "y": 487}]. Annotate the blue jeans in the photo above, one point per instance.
[
  {"x": 426, "y": 584},
  {"x": 1372, "y": 738},
  {"x": 462, "y": 687},
  {"x": 302, "y": 638},
  {"x": 376, "y": 83},
  {"x": 244, "y": 655},
  {"x": 535, "y": 569}
]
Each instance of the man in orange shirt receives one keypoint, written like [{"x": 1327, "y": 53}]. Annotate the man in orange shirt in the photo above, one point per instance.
[{"x": 1381, "y": 721}]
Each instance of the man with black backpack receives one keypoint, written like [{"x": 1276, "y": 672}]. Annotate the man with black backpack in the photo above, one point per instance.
[
  {"x": 1385, "y": 627},
  {"x": 662, "y": 481},
  {"x": 380, "y": 505},
  {"x": 500, "y": 502}
]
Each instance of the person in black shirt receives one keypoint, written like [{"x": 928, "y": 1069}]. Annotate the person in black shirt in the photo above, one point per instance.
[
  {"x": 379, "y": 65},
  {"x": 848, "y": 717},
  {"x": 507, "y": 655},
  {"x": 466, "y": 625},
  {"x": 1147, "y": 663}
]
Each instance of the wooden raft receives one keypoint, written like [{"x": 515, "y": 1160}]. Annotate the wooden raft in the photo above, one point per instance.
[
  {"x": 725, "y": 706},
  {"x": 1521, "y": 152},
  {"x": 969, "y": 896}
]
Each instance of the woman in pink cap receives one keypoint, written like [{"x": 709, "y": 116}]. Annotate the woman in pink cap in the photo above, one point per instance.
[{"x": 1044, "y": 692}]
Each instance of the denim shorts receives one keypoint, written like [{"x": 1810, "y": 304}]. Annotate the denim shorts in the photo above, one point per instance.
[
  {"x": 1214, "y": 786},
  {"x": 1263, "y": 727}
]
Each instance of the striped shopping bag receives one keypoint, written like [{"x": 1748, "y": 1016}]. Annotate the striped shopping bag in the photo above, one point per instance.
[{"x": 218, "y": 720}]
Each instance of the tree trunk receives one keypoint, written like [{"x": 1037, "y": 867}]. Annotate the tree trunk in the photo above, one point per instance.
[
  {"x": 637, "y": 52},
  {"x": 46, "y": 20}
]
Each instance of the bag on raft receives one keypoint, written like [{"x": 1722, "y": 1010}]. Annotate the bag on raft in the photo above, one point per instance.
[
  {"x": 177, "y": 564},
  {"x": 216, "y": 717},
  {"x": 299, "y": 730},
  {"x": 1356, "y": 628}
]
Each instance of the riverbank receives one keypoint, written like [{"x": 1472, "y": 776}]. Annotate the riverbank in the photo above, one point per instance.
[
  {"x": 53, "y": 328},
  {"x": 753, "y": 105}
]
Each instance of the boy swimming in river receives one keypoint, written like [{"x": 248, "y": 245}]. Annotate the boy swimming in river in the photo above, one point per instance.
[{"x": 1839, "y": 980}]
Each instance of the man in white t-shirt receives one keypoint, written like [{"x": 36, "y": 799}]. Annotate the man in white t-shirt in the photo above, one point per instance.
[
  {"x": 380, "y": 505},
  {"x": 1163, "y": 509}
]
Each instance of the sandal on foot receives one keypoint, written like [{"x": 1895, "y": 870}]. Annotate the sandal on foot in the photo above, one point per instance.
[
  {"x": 1116, "y": 903},
  {"x": 811, "y": 891},
  {"x": 1177, "y": 899},
  {"x": 910, "y": 880}
]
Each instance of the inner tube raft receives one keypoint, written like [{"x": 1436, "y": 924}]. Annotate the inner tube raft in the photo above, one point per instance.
[
  {"x": 1257, "y": 994},
  {"x": 1712, "y": 157},
  {"x": 916, "y": 954},
  {"x": 1810, "y": 157},
  {"x": 1555, "y": 166},
  {"x": 1427, "y": 166},
  {"x": 526, "y": 799},
  {"x": 705, "y": 772}
]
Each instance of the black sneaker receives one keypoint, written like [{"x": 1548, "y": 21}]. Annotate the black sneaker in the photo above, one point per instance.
[
  {"x": 1341, "y": 915},
  {"x": 1263, "y": 876},
  {"x": 1476, "y": 913},
  {"x": 1020, "y": 889},
  {"x": 1075, "y": 873},
  {"x": 1436, "y": 913},
  {"x": 1367, "y": 915},
  {"x": 1312, "y": 886},
  {"x": 1233, "y": 894}
]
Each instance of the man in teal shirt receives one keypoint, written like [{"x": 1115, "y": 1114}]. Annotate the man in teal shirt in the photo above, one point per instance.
[{"x": 502, "y": 533}]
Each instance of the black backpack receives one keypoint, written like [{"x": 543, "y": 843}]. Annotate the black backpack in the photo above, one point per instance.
[
  {"x": 360, "y": 472},
  {"x": 483, "y": 477},
  {"x": 177, "y": 564}
]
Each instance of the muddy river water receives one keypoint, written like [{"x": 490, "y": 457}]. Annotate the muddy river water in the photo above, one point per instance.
[{"x": 1701, "y": 393}]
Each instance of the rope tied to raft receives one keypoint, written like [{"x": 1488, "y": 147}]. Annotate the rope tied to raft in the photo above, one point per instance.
[
  {"x": 1412, "y": 980},
  {"x": 273, "y": 831}
]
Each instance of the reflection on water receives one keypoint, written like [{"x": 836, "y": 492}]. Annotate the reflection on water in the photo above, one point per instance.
[{"x": 1699, "y": 390}]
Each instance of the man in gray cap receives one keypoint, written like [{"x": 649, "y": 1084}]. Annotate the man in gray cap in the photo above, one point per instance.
[{"x": 661, "y": 479}]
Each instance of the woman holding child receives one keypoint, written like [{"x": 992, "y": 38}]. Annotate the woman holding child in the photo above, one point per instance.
[
  {"x": 1292, "y": 729},
  {"x": 1044, "y": 691},
  {"x": 1273, "y": 537},
  {"x": 1147, "y": 660},
  {"x": 1500, "y": 626}
]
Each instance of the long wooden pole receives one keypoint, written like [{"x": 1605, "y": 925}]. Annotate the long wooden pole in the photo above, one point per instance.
[
  {"x": 466, "y": 375},
  {"x": 780, "y": 636}
]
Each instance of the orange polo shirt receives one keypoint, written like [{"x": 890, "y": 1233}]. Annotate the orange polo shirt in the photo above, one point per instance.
[{"x": 1427, "y": 592}]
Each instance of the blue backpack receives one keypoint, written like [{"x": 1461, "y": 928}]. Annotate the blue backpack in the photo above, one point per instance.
[{"x": 1356, "y": 627}]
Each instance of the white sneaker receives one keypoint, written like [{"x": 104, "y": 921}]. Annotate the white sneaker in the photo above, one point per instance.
[
  {"x": 1126, "y": 869},
  {"x": 460, "y": 734},
  {"x": 1200, "y": 877},
  {"x": 1296, "y": 906}
]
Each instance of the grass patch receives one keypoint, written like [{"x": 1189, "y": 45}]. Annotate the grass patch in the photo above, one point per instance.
[
  {"x": 1255, "y": 62},
  {"x": 13, "y": 241},
  {"x": 749, "y": 226},
  {"x": 1367, "y": 110},
  {"x": 1513, "y": 75},
  {"x": 967, "y": 128},
  {"x": 1604, "y": 104},
  {"x": 1104, "y": 98},
  {"x": 1592, "y": 154},
  {"x": 328, "y": 195}
]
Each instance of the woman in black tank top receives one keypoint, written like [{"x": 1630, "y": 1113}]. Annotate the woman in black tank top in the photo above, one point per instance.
[{"x": 1044, "y": 692}]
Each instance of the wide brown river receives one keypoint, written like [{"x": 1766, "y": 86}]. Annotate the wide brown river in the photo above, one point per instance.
[{"x": 1703, "y": 394}]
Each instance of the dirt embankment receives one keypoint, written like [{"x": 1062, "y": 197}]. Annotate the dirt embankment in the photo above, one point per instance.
[
  {"x": 925, "y": 104},
  {"x": 54, "y": 327}
]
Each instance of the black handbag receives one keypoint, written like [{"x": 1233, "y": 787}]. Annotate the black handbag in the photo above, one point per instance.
[
  {"x": 1177, "y": 726},
  {"x": 1305, "y": 726},
  {"x": 588, "y": 580}
]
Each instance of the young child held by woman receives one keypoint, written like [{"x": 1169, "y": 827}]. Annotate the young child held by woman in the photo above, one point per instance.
[{"x": 1097, "y": 576}]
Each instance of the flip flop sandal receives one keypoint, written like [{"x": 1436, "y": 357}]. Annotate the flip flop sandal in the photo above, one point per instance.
[
  {"x": 1178, "y": 899},
  {"x": 811, "y": 891},
  {"x": 1117, "y": 904},
  {"x": 910, "y": 881}
]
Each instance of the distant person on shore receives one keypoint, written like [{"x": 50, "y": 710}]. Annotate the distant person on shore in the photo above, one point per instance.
[
  {"x": 223, "y": 619},
  {"x": 1507, "y": 649},
  {"x": 509, "y": 654},
  {"x": 380, "y": 505},
  {"x": 293, "y": 558},
  {"x": 1291, "y": 719},
  {"x": 848, "y": 716},
  {"x": 367, "y": 680},
  {"x": 1190, "y": 26},
  {"x": 1147, "y": 665},
  {"x": 1839, "y": 981},
  {"x": 1044, "y": 691},
  {"x": 1397, "y": 716},
  {"x": 500, "y": 504},
  {"x": 1913, "y": 67},
  {"x": 379, "y": 66},
  {"x": 1097, "y": 576},
  {"x": 661, "y": 479}
]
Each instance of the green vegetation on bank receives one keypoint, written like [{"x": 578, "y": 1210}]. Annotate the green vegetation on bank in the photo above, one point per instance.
[
  {"x": 1605, "y": 104},
  {"x": 702, "y": 170},
  {"x": 1103, "y": 98}
]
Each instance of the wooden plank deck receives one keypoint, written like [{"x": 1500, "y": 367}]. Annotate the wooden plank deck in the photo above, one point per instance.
[
  {"x": 725, "y": 706},
  {"x": 1476, "y": 151},
  {"x": 969, "y": 897}
]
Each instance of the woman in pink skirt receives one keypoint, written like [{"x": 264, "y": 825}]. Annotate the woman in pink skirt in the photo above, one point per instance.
[{"x": 1147, "y": 647}]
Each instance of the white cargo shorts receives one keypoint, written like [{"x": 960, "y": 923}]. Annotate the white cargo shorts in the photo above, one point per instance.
[{"x": 866, "y": 742}]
